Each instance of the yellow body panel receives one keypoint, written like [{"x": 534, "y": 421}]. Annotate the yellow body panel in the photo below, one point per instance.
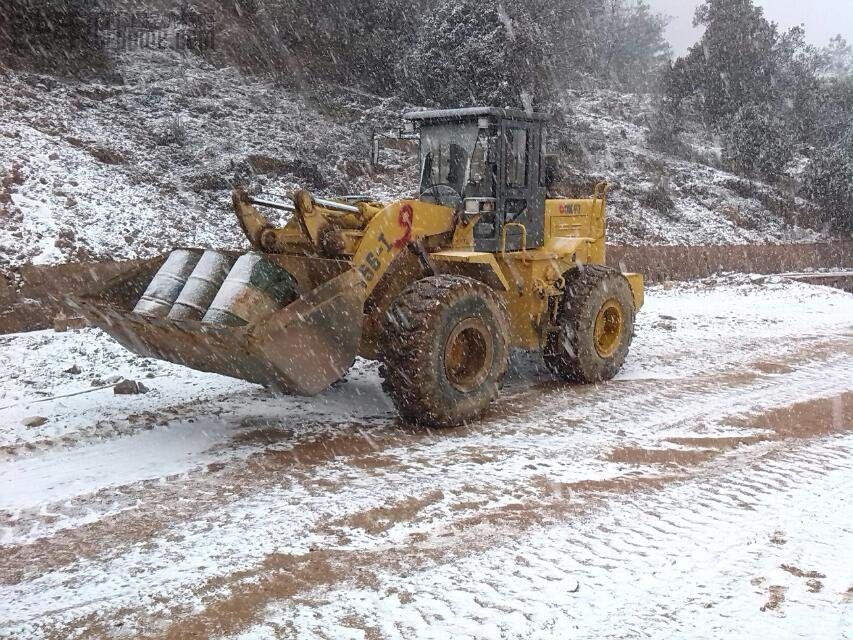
[
  {"x": 534, "y": 282},
  {"x": 531, "y": 280},
  {"x": 488, "y": 260},
  {"x": 577, "y": 219},
  {"x": 392, "y": 229}
]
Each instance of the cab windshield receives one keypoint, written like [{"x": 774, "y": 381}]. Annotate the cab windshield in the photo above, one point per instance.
[{"x": 446, "y": 156}]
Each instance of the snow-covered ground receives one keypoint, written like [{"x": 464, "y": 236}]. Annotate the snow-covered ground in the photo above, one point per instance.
[{"x": 704, "y": 493}]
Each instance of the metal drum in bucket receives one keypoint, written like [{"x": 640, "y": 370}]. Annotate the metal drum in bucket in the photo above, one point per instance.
[
  {"x": 166, "y": 286},
  {"x": 255, "y": 288},
  {"x": 202, "y": 285}
]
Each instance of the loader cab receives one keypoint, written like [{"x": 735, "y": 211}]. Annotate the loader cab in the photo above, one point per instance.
[{"x": 487, "y": 163}]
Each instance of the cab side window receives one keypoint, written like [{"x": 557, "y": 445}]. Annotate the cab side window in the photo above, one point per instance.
[{"x": 515, "y": 157}]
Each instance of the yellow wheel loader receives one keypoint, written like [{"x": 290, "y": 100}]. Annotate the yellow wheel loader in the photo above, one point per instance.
[{"x": 438, "y": 288}]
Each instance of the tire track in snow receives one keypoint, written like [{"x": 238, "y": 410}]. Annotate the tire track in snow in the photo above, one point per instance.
[
  {"x": 295, "y": 526},
  {"x": 410, "y": 456},
  {"x": 650, "y": 565}
]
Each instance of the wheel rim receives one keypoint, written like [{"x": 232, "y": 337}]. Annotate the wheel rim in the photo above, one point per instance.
[
  {"x": 609, "y": 325},
  {"x": 468, "y": 354}
]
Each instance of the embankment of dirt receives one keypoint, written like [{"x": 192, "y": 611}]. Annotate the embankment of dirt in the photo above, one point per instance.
[
  {"x": 36, "y": 303},
  {"x": 661, "y": 263}
]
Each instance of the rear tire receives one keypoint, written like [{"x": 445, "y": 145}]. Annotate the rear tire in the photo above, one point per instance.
[
  {"x": 596, "y": 321},
  {"x": 444, "y": 350}
]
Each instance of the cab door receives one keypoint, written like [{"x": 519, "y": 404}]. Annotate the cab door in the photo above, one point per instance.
[{"x": 521, "y": 198}]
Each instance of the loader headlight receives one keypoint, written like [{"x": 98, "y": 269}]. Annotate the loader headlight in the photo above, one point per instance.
[{"x": 474, "y": 206}]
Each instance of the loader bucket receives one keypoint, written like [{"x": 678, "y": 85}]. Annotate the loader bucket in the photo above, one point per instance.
[{"x": 301, "y": 349}]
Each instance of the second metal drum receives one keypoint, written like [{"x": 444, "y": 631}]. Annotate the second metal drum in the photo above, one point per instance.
[{"x": 202, "y": 286}]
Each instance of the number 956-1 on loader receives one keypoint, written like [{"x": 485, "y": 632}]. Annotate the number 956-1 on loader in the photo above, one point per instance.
[{"x": 438, "y": 288}]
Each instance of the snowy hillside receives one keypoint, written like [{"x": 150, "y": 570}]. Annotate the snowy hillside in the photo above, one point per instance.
[
  {"x": 663, "y": 199},
  {"x": 134, "y": 167},
  {"x": 121, "y": 170}
]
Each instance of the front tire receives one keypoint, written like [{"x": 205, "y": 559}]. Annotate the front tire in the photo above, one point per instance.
[
  {"x": 444, "y": 351},
  {"x": 596, "y": 325}
]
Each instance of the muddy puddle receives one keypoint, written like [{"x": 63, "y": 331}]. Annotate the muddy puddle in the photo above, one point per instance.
[{"x": 818, "y": 417}]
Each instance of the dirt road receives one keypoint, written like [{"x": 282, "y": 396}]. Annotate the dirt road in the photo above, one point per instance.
[{"x": 705, "y": 493}]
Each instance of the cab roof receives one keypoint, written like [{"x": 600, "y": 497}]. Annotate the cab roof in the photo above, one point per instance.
[{"x": 470, "y": 113}]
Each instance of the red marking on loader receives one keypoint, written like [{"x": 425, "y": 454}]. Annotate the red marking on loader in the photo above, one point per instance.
[{"x": 404, "y": 218}]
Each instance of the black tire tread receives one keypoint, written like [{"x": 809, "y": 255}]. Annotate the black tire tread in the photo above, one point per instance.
[
  {"x": 566, "y": 360},
  {"x": 409, "y": 325}
]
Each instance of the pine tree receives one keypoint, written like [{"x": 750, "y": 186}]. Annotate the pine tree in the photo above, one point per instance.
[
  {"x": 476, "y": 52},
  {"x": 828, "y": 181},
  {"x": 631, "y": 46},
  {"x": 756, "y": 143},
  {"x": 839, "y": 56},
  {"x": 732, "y": 65}
]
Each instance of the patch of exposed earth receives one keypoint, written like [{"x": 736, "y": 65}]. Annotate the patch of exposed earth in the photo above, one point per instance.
[{"x": 704, "y": 493}]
